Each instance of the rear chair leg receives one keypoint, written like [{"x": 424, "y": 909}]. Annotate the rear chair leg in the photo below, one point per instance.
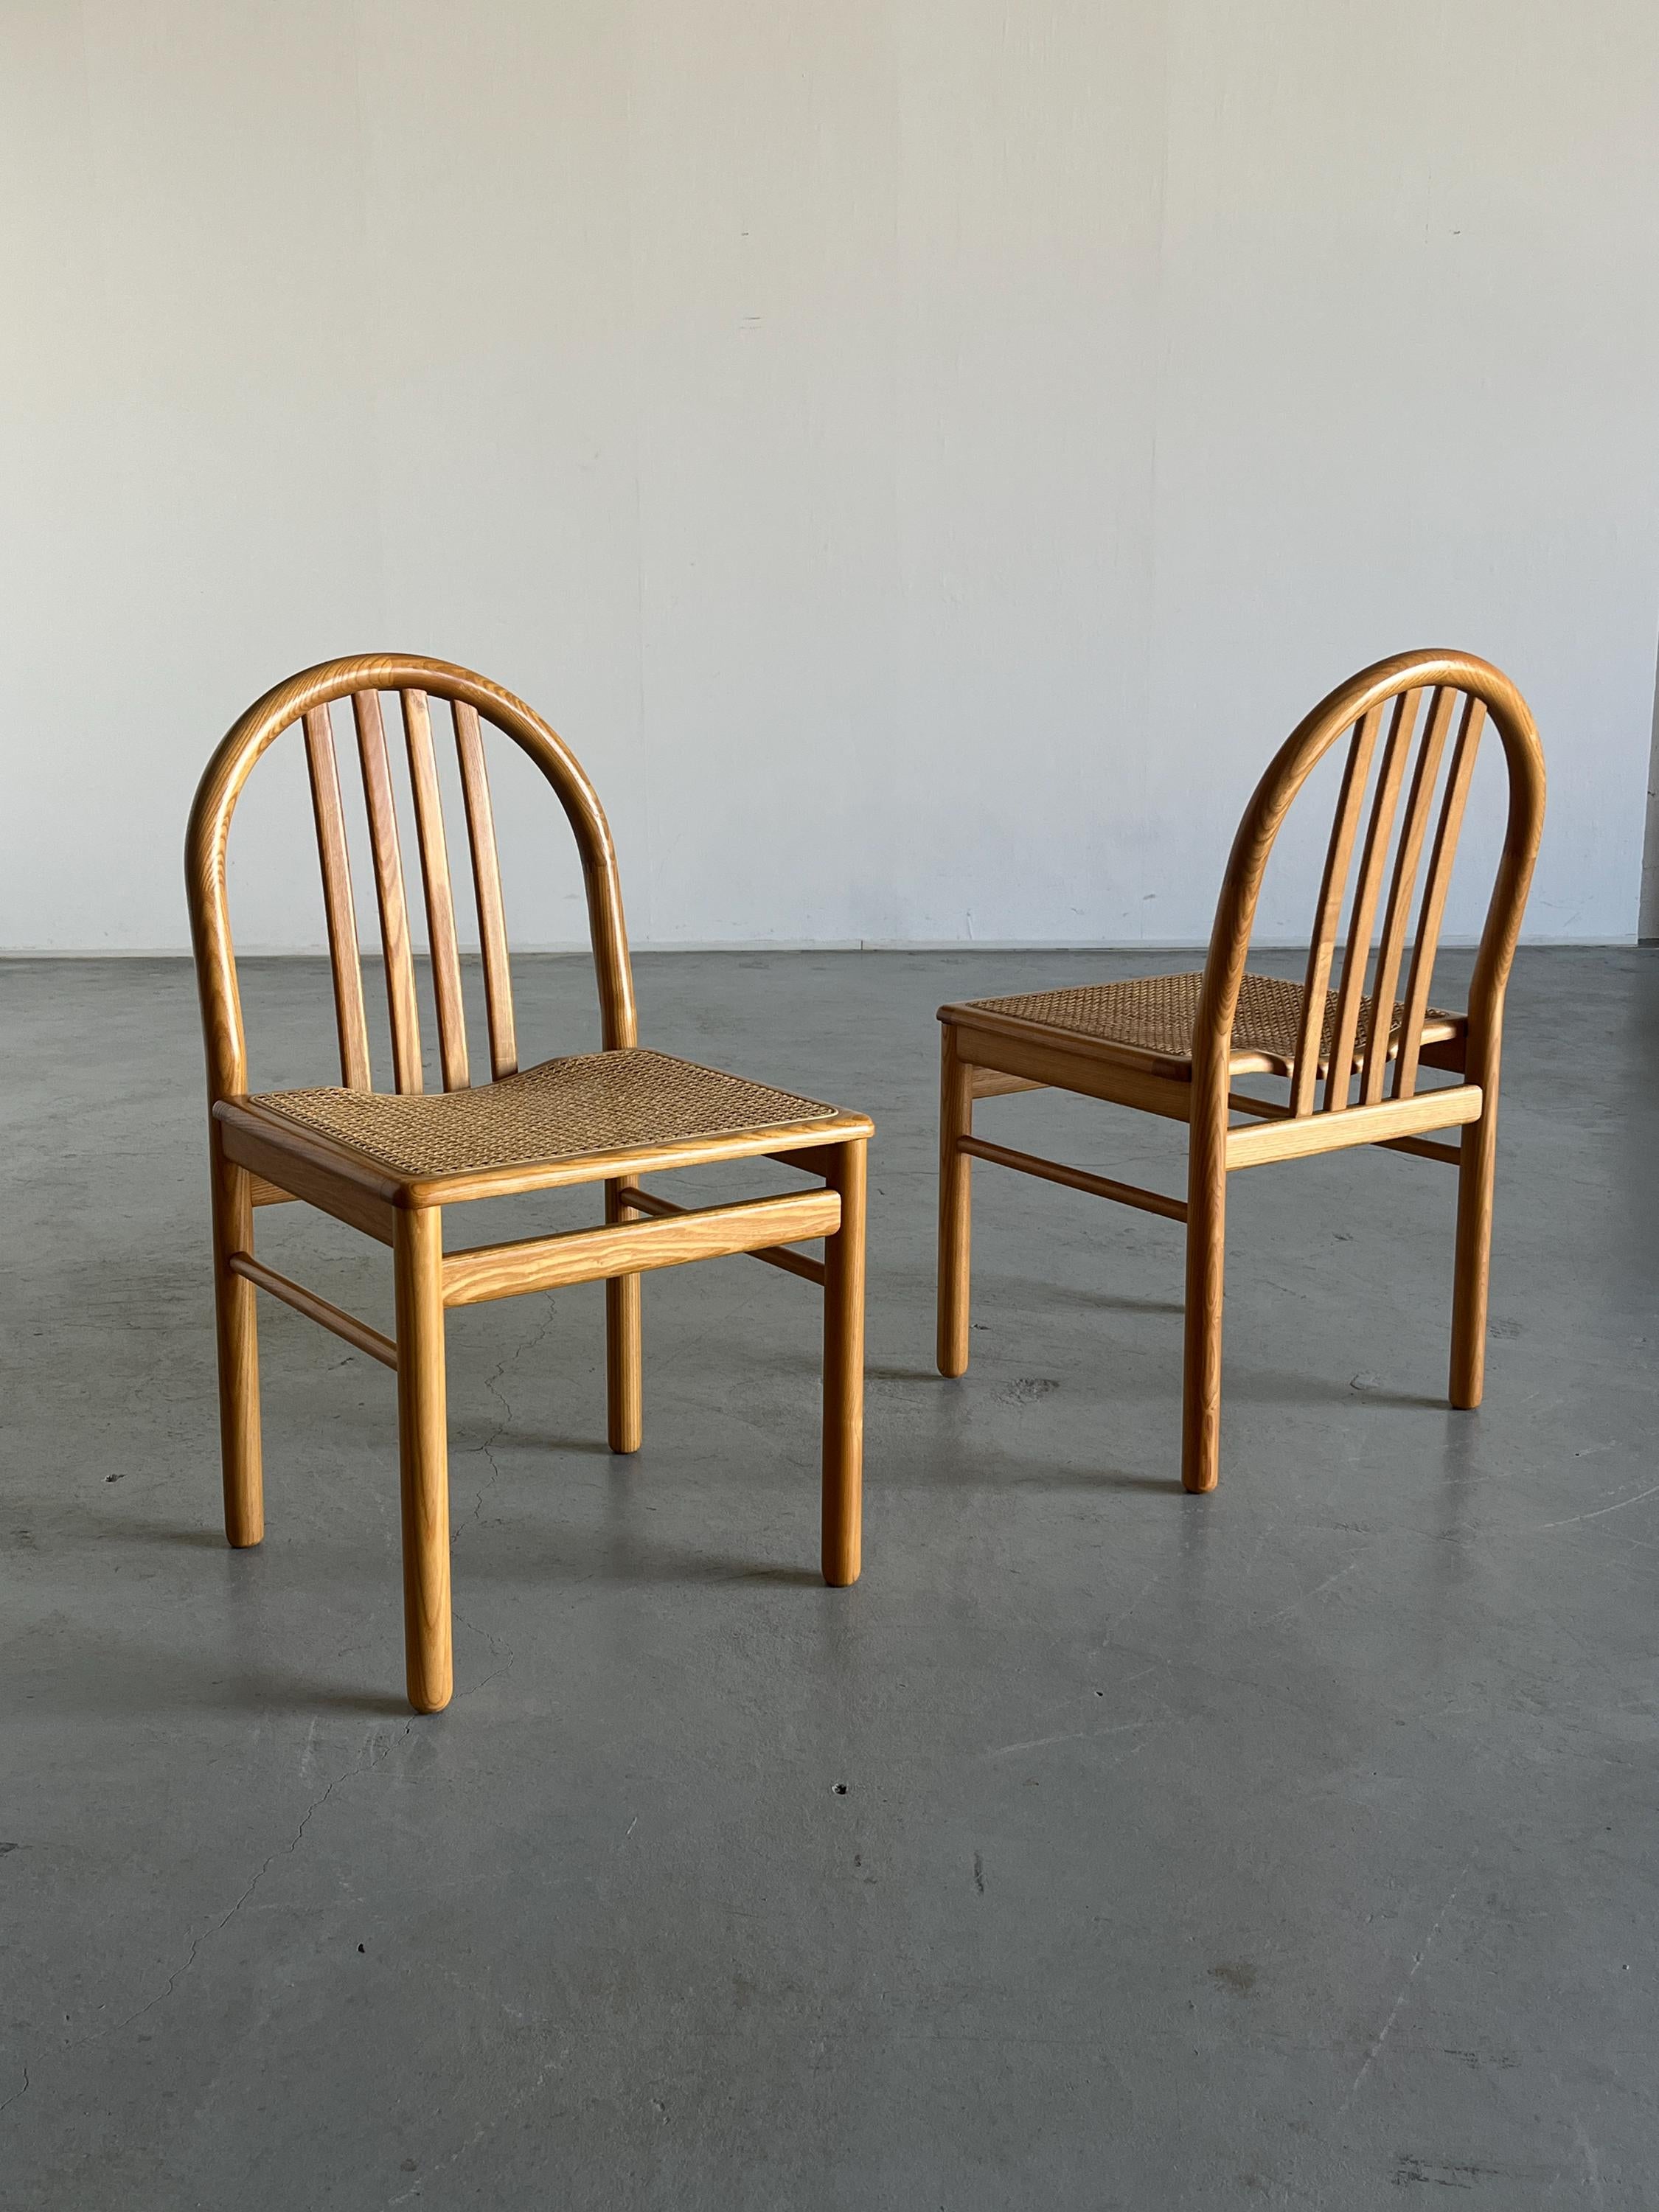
[
  {"x": 624, "y": 1388},
  {"x": 956, "y": 1119},
  {"x": 417, "y": 1254},
  {"x": 843, "y": 1372},
  {"x": 235, "y": 1306},
  {"x": 1471, "y": 1268},
  {"x": 1206, "y": 1231}
]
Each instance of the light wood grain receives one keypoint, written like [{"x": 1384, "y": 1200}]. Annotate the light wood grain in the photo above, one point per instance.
[
  {"x": 315, "y": 1308},
  {"x": 339, "y": 907},
  {"x": 1033, "y": 1164},
  {"x": 417, "y": 1260},
  {"x": 321, "y": 1173},
  {"x": 434, "y": 879},
  {"x": 1056, "y": 1065},
  {"x": 631, "y": 1199},
  {"x": 401, "y": 1005},
  {"x": 1207, "y": 1238},
  {"x": 1299, "y": 1136},
  {"x": 1471, "y": 1264},
  {"x": 624, "y": 1331},
  {"x": 1435, "y": 888},
  {"x": 631, "y": 1161},
  {"x": 487, "y": 888},
  {"x": 843, "y": 1372},
  {"x": 1402, "y": 884},
  {"x": 956, "y": 1122},
  {"x": 988, "y": 1021},
  {"x": 237, "y": 1323},
  {"x": 1305, "y": 1073},
  {"x": 588, "y": 1256},
  {"x": 1355, "y": 957}
]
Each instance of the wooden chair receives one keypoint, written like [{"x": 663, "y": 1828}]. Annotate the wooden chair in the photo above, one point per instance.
[
  {"x": 391, "y": 1165},
  {"x": 1171, "y": 1045}
]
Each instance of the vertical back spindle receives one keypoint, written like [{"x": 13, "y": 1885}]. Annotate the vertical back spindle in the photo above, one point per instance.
[
  {"x": 1435, "y": 888},
  {"x": 1306, "y": 1072},
  {"x": 434, "y": 877},
  {"x": 338, "y": 904},
  {"x": 487, "y": 881},
  {"x": 1357, "y": 953},
  {"x": 1424, "y": 777},
  {"x": 401, "y": 1002}
]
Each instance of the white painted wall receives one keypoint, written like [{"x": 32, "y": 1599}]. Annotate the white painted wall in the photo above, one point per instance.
[{"x": 923, "y": 454}]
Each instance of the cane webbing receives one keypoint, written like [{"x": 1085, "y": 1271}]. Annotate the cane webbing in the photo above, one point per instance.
[
  {"x": 597, "y": 1102},
  {"x": 1156, "y": 1013}
]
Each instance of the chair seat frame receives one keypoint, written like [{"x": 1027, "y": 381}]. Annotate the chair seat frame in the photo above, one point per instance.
[{"x": 257, "y": 1157}]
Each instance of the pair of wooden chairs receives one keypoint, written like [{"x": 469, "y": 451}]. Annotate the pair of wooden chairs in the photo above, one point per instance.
[{"x": 390, "y": 1163}]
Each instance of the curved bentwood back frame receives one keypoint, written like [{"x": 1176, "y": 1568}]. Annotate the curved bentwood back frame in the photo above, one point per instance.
[
  {"x": 1426, "y": 711},
  {"x": 305, "y": 702}
]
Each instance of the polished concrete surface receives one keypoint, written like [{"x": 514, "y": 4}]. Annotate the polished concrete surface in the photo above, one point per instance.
[{"x": 1104, "y": 1847}]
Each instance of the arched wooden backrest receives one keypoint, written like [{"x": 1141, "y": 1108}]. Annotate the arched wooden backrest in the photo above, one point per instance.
[
  {"x": 1413, "y": 708},
  {"x": 305, "y": 701}
]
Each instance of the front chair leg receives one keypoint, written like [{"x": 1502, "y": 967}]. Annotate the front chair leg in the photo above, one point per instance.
[
  {"x": 625, "y": 1390},
  {"x": 235, "y": 1307},
  {"x": 417, "y": 1254},
  {"x": 843, "y": 1372},
  {"x": 1207, "y": 1229},
  {"x": 1471, "y": 1269}
]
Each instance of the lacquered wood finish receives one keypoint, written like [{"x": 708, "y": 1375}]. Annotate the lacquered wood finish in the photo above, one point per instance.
[
  {"x": 324, "y": 1310},
  {"x": 843, "y": 1372},
  {"x": 1356, "y": 959},
  {"x": 1032, "y": 1164},
  {"x": 987, "y": 1051},
  {"x": 487, "y": 885},
  {"x": 444, "y": 950},
  {"x": 630, "y": 1199},
  {"x": 417, "y": 1258},
  {"x": 1396, "y": 919},
  {"x": 955, "y": 1127},
  {"x": 339, "y": 904},
  {"x": 1434, "y": 897},
  {"x": 402, "y": 1005},
  {"x": 261, "y": 1156},
  {"x": 592, "y": 1255},
  {"x": 1306, "y": 1072},
  {"x": 239, "y": 1453},
  {"x": 625, "y": 1351}
]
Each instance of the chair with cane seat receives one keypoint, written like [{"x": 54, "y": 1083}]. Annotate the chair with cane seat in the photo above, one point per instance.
[
  {"x": 391, "y": 1163},
  {"x": 1171, "y": 1044}
]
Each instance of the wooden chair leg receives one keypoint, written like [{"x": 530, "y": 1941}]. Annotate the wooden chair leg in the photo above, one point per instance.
[
  {"x": 236, "y": 1311},
  {"x": 624, "y": 1387},
  {"x": 424, "y": 1455},
  {"x": 956, "y": 1118},
  {"x": 843, "y": 1373},
  {"x": 1471, "y": 1268},
  {"x": 1206, "y": 1231}
]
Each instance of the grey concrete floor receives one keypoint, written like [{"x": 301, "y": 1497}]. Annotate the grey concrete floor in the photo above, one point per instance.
[{"x": 1104, "y": 1847}]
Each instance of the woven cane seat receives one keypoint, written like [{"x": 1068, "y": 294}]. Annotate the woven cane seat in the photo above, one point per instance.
[
  {"x": 1153, "y": 1016},
  {"x": 597, "y": 1102}
]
